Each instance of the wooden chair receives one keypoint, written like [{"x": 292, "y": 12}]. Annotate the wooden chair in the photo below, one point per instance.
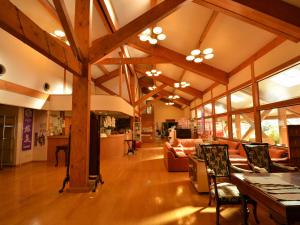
[
  {"x": 219, "y": 179},
  {"x": 259, "y": 160}
]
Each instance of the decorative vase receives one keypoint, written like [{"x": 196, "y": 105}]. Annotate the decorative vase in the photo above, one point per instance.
[{"x": 108, "y": 132}]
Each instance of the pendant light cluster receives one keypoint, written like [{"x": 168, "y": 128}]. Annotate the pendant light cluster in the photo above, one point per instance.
[
  {"x": 152, "y": 35},
  {"x": 198, "y": 56},
  {"x": 173, "y": 97},
  {"x": 182, "y": 84},
  {"x": 170, "y": 103},
  {"x": 152, "y": 88},
  {"x": 153, "y": 73}
]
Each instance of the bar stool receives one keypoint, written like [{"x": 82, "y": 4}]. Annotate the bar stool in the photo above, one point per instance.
[{"x": 61, "y": 148}]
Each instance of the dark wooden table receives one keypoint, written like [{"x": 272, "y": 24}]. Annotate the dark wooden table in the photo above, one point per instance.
[{"x": 283, "y": 212}]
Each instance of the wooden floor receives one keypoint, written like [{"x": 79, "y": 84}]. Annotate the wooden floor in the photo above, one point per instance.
[{"x": 137, "y": 190}]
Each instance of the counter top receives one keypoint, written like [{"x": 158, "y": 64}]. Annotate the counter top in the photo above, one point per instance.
[{"x": 57, "y": 136}]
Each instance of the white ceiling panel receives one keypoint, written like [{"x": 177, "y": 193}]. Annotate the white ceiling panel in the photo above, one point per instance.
[
  {"x": 197, "y": 81},
  {"x": 233, "y": 42},
  {"x": 170, "y": 70},
  {"x": 184, "y": 27}
]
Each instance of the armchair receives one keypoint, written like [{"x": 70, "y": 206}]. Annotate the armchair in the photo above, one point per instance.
[
  {"x": 259, "y": 160},
  {"x": 220, "y": 187}
]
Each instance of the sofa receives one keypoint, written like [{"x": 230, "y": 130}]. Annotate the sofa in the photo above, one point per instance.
[
  {"x": 237, "y": 154},
  {"x": 176, "y": 155}
]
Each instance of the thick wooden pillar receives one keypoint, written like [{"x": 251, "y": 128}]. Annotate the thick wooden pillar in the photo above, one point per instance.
[
  {"x": 81, "y": 103},
  {"x": 283, "y": 137}
]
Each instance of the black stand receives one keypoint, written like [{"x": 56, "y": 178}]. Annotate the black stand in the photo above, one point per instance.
[
  {"x": 94, "y": 163},
  {"x": 68, "y": 152},
  {"x": 131, "y": 148}
]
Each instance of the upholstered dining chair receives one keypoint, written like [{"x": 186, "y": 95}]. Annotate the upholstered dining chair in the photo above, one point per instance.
[
  {"x": 220, "y": 187},
  {"x": 259, "y": 159}
]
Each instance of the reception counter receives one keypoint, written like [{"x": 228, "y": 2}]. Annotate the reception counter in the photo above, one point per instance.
[
  {"x": 113, "y": 146},
  {"x": 54, "y": 141}
]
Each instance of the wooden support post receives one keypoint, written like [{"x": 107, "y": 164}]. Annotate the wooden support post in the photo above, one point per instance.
[
  {"x": 120, "y": 81},
  {"x": 238, "y": 126},
  {"x": 229, "y": 115},
  {"x": 283, "y": 138},
  {"x": 79, "y": 161}
]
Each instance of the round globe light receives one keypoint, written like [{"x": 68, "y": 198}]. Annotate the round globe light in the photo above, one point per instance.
[
  {"x": 209, "y": 56},
  {"x": 157, "y": 30},
  {"x": 190, "y": 58},
  {"x": 153, "y": 41},
  {"x": 149, "y": 73},
  {"x": 198, "y": 60},
  {"x": 195, "y": 52},
  {"x": 144, "y": 37},
  {"x": 147, "y": 32},
  {"x": 153, "y": 71},
  {"x": 161, "y": 37},
  {"x": 207, "y": 51}
]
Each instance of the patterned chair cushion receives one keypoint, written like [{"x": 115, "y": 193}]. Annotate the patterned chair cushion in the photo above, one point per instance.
[
  {"x": 228, "y": 193},
  {"x": 258, "y": 155},
  {"x": 217, "y": 159}
]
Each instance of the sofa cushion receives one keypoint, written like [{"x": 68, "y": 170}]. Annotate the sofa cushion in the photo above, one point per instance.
[
  {"x": 277, "y": 152},
  {"x": 188, "y": 142},
  {"x": 180, "y": 154}
]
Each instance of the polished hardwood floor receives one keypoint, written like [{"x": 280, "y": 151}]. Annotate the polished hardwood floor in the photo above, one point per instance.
[{"x": 137, "y": 191}]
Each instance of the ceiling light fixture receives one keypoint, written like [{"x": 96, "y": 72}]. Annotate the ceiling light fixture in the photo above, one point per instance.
[
  {"x": 173, "y": 97},
  {"x": 182, "y": 84},
  {"x": 152, "y": 88},
  {"x": 198, "y": 56},
  {"x": 59, "y": 34},
  {"x": 153, "y": 73},
  {"x": 169, "y": 103},
  {"x": 152, "y": 35}
]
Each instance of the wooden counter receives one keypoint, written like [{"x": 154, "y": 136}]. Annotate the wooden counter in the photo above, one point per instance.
[
  {"x": 113, "y": 146},
  {"x": 54, "y": 141}
]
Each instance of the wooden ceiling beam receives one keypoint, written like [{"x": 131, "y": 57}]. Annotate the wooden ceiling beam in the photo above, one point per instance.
[
  {"x": 150, "y": 94},
  {"x": 106, "y": 44},
  {"x": 178, "y": 59},
  {"x": 67, "y": 26},
  {"x": 261, "y": 52},
  {"x": 137, "y": 60},
  {"x": 106, "y": 89},
  {"x": 22, "y": 27},
  {"x": 107, "y": 77},
  {"x": 101, "y": 11},
  {"x": 263, "y": 14},
  {"x": 170, "y": 82}
]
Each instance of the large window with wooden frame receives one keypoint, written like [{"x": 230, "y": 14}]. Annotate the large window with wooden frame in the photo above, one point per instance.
[
  {"x": 221, "y": 127},
  {"x": 207, "y": 109},
  {"x": 221, "y": 105},
  {"x": 242, "y": 99},
  {"x": 243, "y": 127},
  {"x": 193, "y": 114},
  {"x": 274, "y": 124},
  {"x": 200, "y": 121},
  {"x": 282, "y": 86},
  {"x": 208, "y": 129}
]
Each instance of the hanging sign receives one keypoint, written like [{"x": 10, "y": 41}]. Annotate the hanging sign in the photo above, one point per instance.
[{"x": 27, "y": 129}]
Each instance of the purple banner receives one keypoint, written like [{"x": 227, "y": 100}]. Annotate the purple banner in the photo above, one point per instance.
[{"x": 27, "y": 129}]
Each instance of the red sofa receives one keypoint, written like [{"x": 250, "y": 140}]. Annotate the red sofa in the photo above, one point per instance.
[{"x": 176, "y": 156}]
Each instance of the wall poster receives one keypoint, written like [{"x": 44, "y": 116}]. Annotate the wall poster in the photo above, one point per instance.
[{"x": 27, "y": 129}]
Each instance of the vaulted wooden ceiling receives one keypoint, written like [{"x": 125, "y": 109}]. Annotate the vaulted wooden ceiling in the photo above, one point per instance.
[{"x": 239, "y": 31}]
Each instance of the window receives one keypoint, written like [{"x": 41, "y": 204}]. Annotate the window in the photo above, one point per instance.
[
  {"x": 199, "y": 112},
  {"x": 242, "y": 99},
  {"x": 208, "y": 109},
  {"x": 221, "y": 105},
  {"x": 208, "y": 128},
  {"x": 282, "y": 86},
  {"x": 193, "y": 114},
  {"x": 243, "y": 126},
  {"x": 274, "y": 121},
  {"x": 221, "y": 126}
]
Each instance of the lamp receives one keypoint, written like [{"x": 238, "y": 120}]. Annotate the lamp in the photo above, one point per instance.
[
  {"x": 170, "y": 103},
  {"x": 198, "y": 56},
  {"x": 59, "y": 34},
  {"x": 152, "y": 35},
  {"x": 153, "y": 72},
  {"x": 152, "y": 88},
  {"x": 182, "y": 84},
  {"x": 173, "y": 97}
]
